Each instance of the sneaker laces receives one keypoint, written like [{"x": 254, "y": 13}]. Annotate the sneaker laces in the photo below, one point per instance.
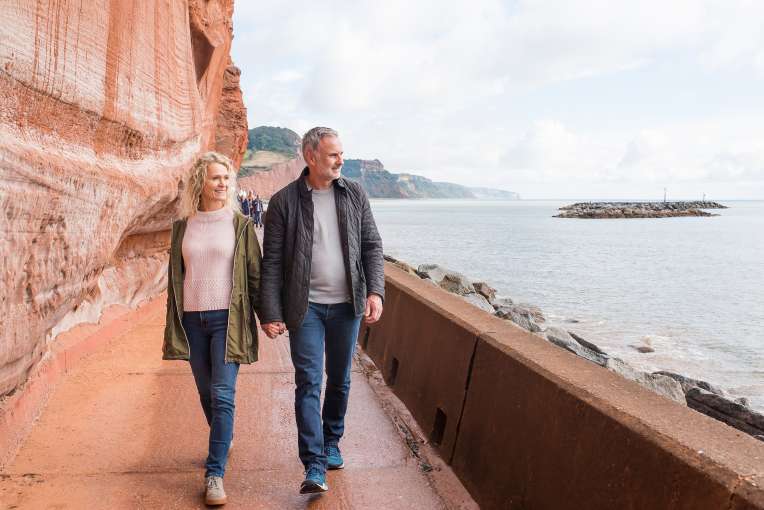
[
  {"x": 313, "y": 473},
  {"x": 332, "y": 450},
  {"x": 212, "y": 483}
]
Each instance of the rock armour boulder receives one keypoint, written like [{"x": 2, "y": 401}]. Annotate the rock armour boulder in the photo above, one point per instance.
[{"x": 604, "y": 210}]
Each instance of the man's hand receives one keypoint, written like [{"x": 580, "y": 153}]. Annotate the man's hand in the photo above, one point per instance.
[
  {"x": 273, "y": 329},
  {"x": 373, "y": 309}
]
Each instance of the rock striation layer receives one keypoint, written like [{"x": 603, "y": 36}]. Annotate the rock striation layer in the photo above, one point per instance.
[
  {"x": 267, "y": 181},
  {"x": 103, "y": 107},
  {"x": 604, "y": 210}
]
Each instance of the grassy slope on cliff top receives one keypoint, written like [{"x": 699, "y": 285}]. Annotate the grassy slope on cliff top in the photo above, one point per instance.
[
  {"x": 274, "y": 139},
  {"x": 267, "y": 146}
]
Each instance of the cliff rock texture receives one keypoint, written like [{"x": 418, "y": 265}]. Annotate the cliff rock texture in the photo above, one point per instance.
[
  {"x": 267, "y": 181},
  {"x": 103, "y": 107}
]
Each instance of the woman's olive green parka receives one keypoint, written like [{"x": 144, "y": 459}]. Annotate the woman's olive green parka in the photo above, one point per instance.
[{"x": 241, "y": 337}]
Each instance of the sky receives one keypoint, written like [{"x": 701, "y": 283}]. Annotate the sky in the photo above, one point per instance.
[{"x": 560, "y": 99}]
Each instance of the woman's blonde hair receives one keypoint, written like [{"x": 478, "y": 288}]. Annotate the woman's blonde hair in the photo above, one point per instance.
[{"x": 192, "y": 192}]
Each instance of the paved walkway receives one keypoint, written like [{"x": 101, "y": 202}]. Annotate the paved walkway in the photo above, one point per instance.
[{"x": 125, "y": 430}]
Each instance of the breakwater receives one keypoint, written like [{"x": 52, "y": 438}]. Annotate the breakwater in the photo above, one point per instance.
[{"x": 607, "y": 210}]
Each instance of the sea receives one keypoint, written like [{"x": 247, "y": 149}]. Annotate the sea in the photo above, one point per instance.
[{"x": 691, "y": 288}]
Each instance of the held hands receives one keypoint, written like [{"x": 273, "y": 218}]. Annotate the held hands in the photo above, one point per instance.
[
  {"x": 373, "y": 309},
  {"x": 371, "y": 315},
  {"x": 273, "y": 329}
]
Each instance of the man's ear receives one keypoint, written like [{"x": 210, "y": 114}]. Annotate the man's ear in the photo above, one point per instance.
[{"x": 309, "y": 156}]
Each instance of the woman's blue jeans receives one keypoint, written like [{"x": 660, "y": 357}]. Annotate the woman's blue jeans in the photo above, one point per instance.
[
  {"x": 215, "y": 380},
  {"x": 334, "y": 329}
]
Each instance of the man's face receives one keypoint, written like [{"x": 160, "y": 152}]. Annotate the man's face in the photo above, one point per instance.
[{"x": 326, "y": 161}]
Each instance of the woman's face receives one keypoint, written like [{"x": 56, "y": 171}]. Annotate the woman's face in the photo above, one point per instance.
[{"x": 215, "y": 187}]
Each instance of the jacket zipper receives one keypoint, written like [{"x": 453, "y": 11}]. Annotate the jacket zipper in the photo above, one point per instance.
[
  {"x": 310, "y": 259},
  {"x": 230, "y": 298}
]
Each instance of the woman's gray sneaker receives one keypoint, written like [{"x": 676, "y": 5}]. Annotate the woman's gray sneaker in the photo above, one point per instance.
[{"x": 214, "y": 494}]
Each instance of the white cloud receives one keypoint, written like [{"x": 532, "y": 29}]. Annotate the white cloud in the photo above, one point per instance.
[
  {"x": 647, "y": 156},
  {"x": 549, "y": 151},
  {"x": 471, "y": 91},
  {"x": 287, "y": 76},
  {"x": 731, "y": 166}
]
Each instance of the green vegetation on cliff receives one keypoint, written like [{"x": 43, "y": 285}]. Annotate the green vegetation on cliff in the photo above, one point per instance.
[
  {"x": 267, "y": 146},
  {"x": 274, "y": 139}
]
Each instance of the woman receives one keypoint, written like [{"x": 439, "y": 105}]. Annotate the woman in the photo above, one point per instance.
[{"x": 212, "y": 293}]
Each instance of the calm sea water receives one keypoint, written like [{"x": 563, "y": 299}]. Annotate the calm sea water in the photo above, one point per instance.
[{"x": 691, "y": 288}]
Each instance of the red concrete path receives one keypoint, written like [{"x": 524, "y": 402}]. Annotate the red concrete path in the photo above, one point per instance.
[{"x": 125, "y": 430}]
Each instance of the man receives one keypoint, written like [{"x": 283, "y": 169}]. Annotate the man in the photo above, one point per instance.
[
  {"x": 322, "y": 271},
  {"x": 258, "y": 208}
]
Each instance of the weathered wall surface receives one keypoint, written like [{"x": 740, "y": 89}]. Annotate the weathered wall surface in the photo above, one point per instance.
[
  {"x": 526, "y": 424},
  {"x": 268, "y": 182},
  {"x": 103, "y": 107},
  {"x": 231, "y": 122}
]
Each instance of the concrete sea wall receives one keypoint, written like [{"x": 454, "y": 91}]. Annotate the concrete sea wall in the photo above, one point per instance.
[{"x": 525, "y": 424}]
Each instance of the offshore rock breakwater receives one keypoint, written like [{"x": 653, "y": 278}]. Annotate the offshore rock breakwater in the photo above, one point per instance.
[
  {"x": 607, "y": 210},
  {"x": 699, "y": 395}
]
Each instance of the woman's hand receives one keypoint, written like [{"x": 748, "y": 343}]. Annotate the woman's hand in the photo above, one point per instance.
[{"x": 273, "y": 329}]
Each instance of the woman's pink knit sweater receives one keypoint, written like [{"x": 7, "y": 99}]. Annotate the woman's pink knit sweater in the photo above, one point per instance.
[{"x": 208, "y": 246}]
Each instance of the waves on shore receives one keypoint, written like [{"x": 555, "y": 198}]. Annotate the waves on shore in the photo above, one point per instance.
[{"x": 671, "y": 281}]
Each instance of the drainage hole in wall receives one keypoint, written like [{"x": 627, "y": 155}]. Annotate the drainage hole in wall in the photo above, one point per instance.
[
  {"x": 393, "y": 372},
  {"x": 438, "y": 428}
]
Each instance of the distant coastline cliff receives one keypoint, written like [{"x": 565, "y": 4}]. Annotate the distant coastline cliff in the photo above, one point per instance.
[
  {"x": 273, "y": 160},
  {"x": 381, "y": 183}
]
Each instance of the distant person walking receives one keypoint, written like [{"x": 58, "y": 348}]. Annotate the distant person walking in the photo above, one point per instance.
[
  {"x": 245, "y": 203},
  {"x": 210, "y": 319},
  {"x": 258, "y": 208},
  {"x": 322, "y": 272},
  {"x": 251, "y": 205}
]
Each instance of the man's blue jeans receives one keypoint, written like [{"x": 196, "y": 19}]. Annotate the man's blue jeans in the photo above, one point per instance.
[
  {"x": 215, "y": 380},
  {"x": 334, "y": 329}
]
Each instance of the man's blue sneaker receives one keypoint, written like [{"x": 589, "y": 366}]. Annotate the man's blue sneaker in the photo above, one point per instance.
[
  {"x": 315, "y": 481},
  {"x": 333, "y": 457}
]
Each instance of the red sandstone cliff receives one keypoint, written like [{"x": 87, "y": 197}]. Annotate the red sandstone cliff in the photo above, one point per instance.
[
  {"x": 267, "y": 182},
  {"x": 103, "y": 107}
]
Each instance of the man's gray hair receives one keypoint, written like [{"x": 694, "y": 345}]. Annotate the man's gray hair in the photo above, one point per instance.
[{"x": 313, "y": 137}]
